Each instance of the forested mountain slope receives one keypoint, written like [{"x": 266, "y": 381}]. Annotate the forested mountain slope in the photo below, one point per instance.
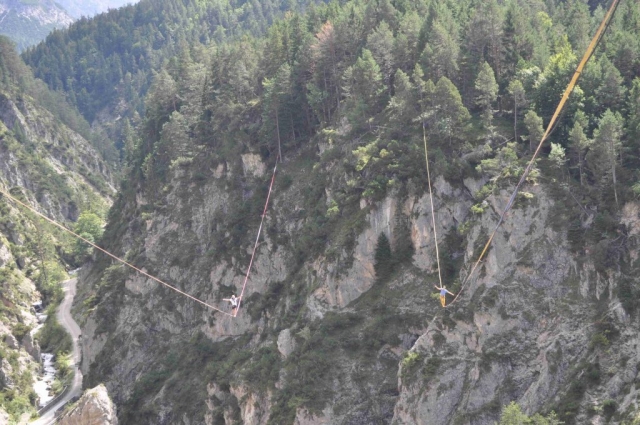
[
  {"x": 338, "y": 323},
  {"x": 106, "y": 64},
  {"x": 46, "y": 163},
  {"x": 27, "y": 23}
]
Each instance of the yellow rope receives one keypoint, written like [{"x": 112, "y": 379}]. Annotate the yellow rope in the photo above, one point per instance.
[
  {"x": 55, "y": 223},
  {"x": 433, "y": 214},
  {"x": 592, "y": 45}
]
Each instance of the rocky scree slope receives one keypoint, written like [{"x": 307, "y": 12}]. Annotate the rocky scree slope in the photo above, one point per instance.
[
  {"x": 319, "y": 338},
  {"x": 93, "y": 408}
]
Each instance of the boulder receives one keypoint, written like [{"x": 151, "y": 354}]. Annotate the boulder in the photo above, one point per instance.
[
  {"x": 286, "y": 344},
  {"x": 11, "y": 341},
  {"x": 252, "y": 165},
  {"x": 31, "y": 346},
  {"x": 94, "y": 408},
  {"x": 5, "y": 255},
  {"x": 5, "y": 375}
]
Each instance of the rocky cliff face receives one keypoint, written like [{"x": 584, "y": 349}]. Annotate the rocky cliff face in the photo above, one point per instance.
[
  {"x": 94, "y": 408},
  {"x": 58, "y": 169},
  {"x": 538, "y": 325},
  {"x": 319, "y": 340}
]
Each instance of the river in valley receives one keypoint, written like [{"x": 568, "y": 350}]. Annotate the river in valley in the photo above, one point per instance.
[{"x": 43, "y": 383}]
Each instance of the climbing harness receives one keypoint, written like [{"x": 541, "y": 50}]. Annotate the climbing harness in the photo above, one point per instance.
[{"x": 587, "y": 55}]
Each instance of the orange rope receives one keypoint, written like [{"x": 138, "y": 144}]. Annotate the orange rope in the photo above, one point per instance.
[{"x": 55, "y": 223}]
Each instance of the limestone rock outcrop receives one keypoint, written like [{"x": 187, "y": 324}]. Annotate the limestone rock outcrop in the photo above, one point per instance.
[
  {"x": 286, "y": 343},
  {"x": 94, "y": 408},
  {"x": 5, "y": 374},
  {"x": 31, "y": 346}
]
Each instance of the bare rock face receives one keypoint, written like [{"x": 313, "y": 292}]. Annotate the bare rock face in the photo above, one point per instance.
[
  {"x": 94, "y": 408},
  {"x": 5, "y": 255},
  {"x": 5, "y": 375},
  {"x": 252, "y": 165},
  {"x": 286, "y": 343},
  {"x": 31, "y": 346},
  {"x": 11, "y": 341}
]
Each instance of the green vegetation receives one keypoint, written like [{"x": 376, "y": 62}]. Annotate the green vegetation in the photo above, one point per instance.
[
  {"x": 383, "y": 261},
  {"x": 88, "y": 226},
  {"x": 53, "y": 337},
  {"x": 21, "y": 398},
  {"x": 512, "y": 415},
  {"x": 118, "y": 51}
]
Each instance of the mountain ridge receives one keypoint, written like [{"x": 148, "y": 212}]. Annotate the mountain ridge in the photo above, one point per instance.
[{"x": 28, "y": 23}]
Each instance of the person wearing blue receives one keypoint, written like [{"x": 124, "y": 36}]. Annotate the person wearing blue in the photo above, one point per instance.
[{"x": 443, "y": 294}]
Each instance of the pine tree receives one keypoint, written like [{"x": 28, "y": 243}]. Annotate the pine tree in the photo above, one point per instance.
[
  {"x": 383, "y": 258},
  {"x": 512, "y": 415},
  {"x": 440, "y": 55},
  {"x": 557, "y": 157},
  {"x": 326, "y": 90},
  {"x": 450, "y": 117},
  {"x": 553, "y": 81},
  {"x": 487, "y": 92},
  {"x": 380, "y": 43},
  {"x": 627, "y": 54},
  {"x": 406, "y": 42},
  {"x": 611, "y": 93},
  {"x": 510, "y": 36},
  {"x": 534, "y": 127},
  {"x": 516, "y": 90},
  {"x": 603, "y": 156},
  {"x": 578, "y": 145},
  {"x": 402, "y": 106},
  {"x": 162, "y": 99},
  {"x": 404, "y": 249},
  {"x": 633, "y": 122},
  {"x": 483, "y": 43},
  {"x": 578, "y": 22},
  {"x": 275, "y": 91},
  {"x": 129, "y": 143},
  {"x": 363, "y": 86}
]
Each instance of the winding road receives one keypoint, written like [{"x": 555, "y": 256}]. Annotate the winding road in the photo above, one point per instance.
[{"x": 65, "y": 319}]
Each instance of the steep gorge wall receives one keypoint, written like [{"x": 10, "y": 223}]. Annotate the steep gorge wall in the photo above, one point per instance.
[
  {"x": 59, "y": 169},
  {"x": 322, "y": 342}
]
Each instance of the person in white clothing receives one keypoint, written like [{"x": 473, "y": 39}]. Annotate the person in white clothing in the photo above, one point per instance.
[{"x": 234, "y": 302}]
